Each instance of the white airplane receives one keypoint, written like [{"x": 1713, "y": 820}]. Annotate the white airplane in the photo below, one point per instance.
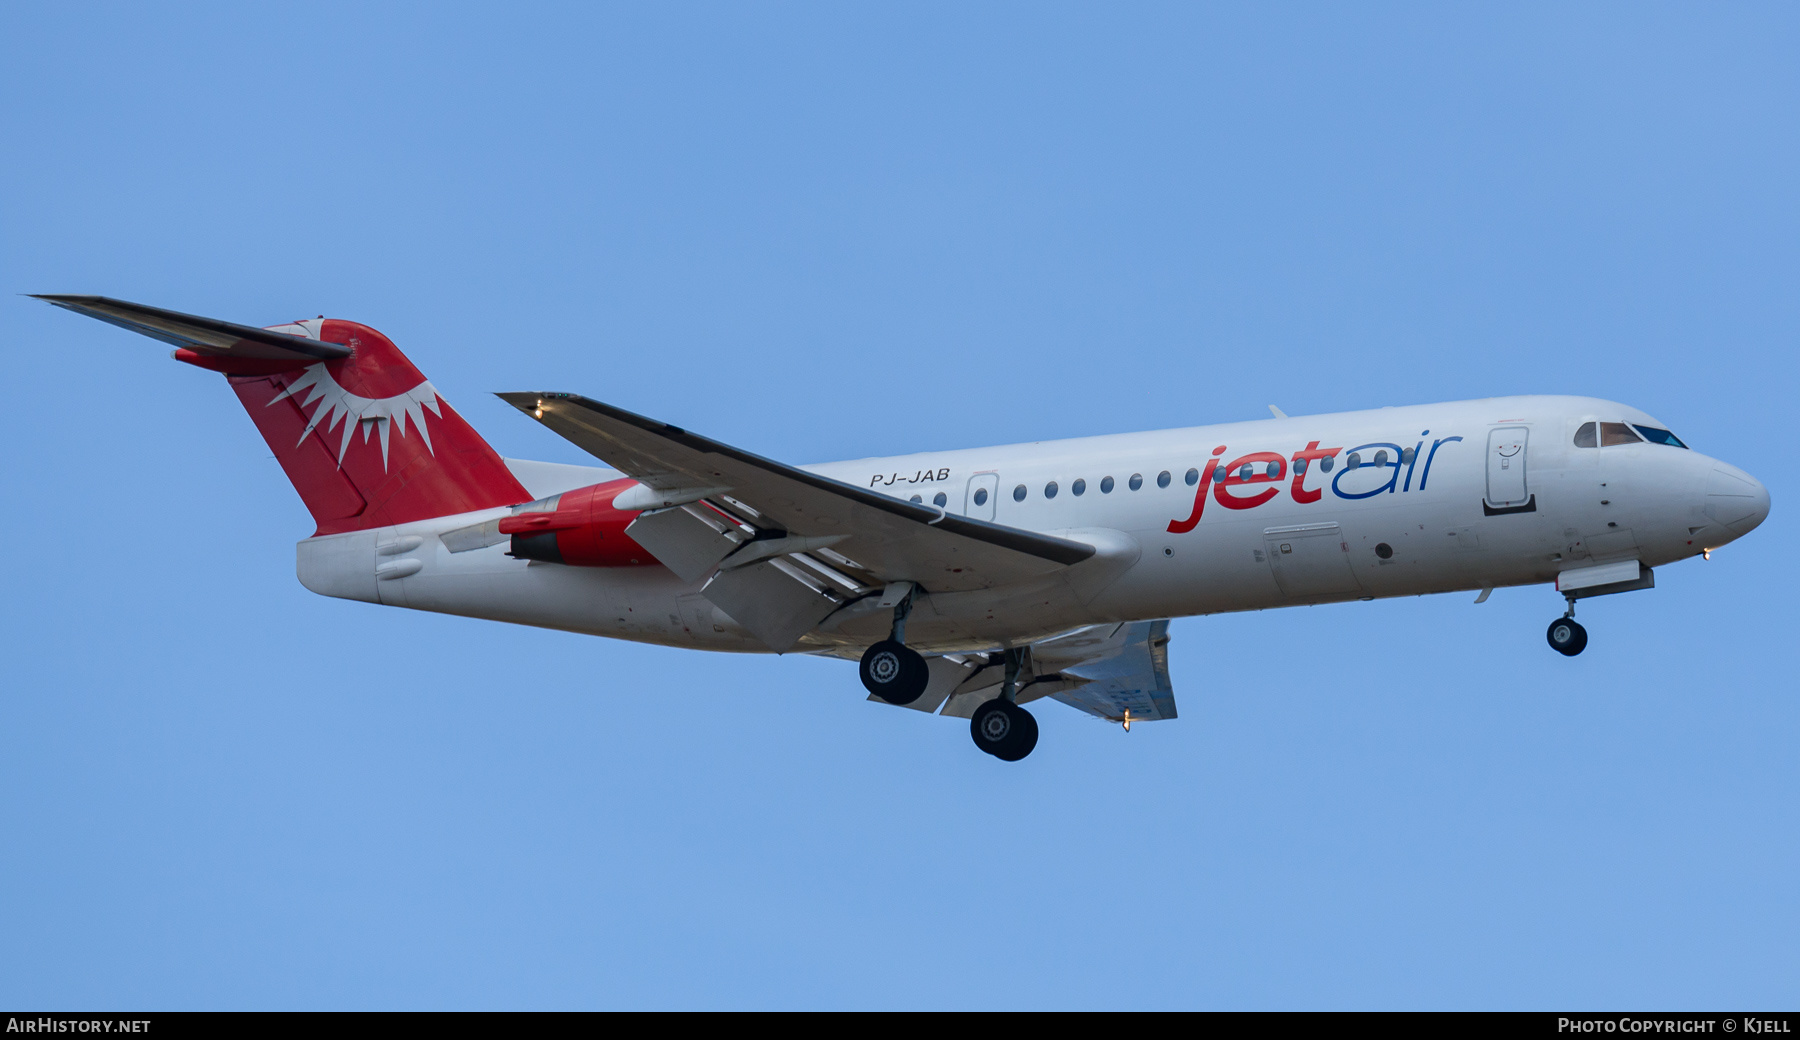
[{"x": 969, "y": 582}]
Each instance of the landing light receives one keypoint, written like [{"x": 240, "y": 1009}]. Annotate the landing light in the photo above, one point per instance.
[
  {"x": 1127, "y": 722},
  {"x": 1706, "y": 554}
]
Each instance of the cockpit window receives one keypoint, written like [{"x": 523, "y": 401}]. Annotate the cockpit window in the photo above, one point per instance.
[
  {"x": 1612, "y": 433},
  {"x": 1658, "y": 436},
  {"x": 1588, "y": 436}
]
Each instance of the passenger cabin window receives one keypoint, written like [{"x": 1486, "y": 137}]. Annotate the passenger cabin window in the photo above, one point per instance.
[
  {"x": 1078, "y": 488},
  {"x": 1612, "y": 433},
  {"x": 1656, "y": 435},
  {"x": 981, "y": 496},
  {"x": 1588, "y": 436},
  {"x": 940, "y": 500},
  {"x": 1019, "y": 493},
  {"x": 916, "y": 500},
  {"x": 1136, "y": 481},
  {"x": 1162, "y": 479},
  {"x": 1106, "y": 485},
  {"x": 1050, "y": 489},
  {"x": 1192, "y": 477}
]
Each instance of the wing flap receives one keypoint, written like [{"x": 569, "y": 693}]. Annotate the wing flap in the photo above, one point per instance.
[
  {"x": 774, "y": 603},
  {"x": 686, "y": 540}
]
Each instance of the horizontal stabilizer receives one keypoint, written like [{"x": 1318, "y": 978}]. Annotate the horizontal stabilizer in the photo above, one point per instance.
[{"x": 207, "y": 336}]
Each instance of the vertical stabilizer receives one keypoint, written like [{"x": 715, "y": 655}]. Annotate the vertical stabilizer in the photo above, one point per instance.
[
  {"x": 368, "y": 441},
  {"x": 362, "y": 434}
]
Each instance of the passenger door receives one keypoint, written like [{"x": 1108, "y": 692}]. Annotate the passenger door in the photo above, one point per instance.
[
  {"x": 978, "y": 501},
  {"x": 1506, "y": 484},
  {"x": 1311, "y": 560}
]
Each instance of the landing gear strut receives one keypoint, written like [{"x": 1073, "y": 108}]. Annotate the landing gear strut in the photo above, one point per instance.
[
  {"x": 1000, "y": 727},
  {"x": 890, "y": 670},
  {"x": 1566, "y": 635}
]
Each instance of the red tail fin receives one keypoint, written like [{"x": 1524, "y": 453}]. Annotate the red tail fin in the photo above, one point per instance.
[
  {"x": 363, "y": 435},
  {"x": 366, "y": 439}
]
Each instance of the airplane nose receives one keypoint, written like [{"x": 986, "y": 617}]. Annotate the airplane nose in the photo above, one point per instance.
[{"x": 1735, "y": 499}]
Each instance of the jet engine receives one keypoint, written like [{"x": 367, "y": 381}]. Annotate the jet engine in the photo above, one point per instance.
[{"x": 580, "y": 528}]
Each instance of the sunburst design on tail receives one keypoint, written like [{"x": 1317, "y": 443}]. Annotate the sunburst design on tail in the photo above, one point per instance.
[{"x": 339, "y": 405}]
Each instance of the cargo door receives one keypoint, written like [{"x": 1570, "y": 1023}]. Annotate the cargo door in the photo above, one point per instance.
[{"x": 1310, "y": 561}]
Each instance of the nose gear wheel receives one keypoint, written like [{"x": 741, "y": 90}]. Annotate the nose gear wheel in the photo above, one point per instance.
[{"x": 1566, "y": 636}]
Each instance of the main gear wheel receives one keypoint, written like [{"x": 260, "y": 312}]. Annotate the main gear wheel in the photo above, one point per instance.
[
  {"x": 1004, "y": 730},
  {"x": 894, "y": 673}
]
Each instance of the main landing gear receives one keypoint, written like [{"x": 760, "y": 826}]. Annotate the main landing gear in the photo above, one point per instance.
[
  {"x": 1000, "y": 727},
  {"x": 1566, "y": 635},
  {"x": 890, "y": 670},
  {"x": 898, "y": 675}
]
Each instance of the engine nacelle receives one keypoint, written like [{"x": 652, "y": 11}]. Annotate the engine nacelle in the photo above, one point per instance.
[{"x": 580, "y": 529}]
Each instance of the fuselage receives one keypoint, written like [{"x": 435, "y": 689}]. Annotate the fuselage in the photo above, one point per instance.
[{"x": 1238, "y": 516}]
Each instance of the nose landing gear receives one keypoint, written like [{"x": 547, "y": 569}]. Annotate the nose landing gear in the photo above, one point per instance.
[{"x": 1566, "y": 635}]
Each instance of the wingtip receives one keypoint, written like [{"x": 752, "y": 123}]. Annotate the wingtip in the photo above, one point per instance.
[
  {"x": 530, "y": 403},
  {"x": 530, "y": 399},
  {"x": 63, "y": 301}
]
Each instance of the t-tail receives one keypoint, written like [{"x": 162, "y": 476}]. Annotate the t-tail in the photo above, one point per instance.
[{"x": 362, "y": 434}]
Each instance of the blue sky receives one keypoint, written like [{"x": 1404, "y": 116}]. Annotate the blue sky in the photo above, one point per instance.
[{"x": 826, "y": 232}]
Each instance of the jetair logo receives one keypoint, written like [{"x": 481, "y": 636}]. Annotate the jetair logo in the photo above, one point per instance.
[{"x": 1363, "y": 468}]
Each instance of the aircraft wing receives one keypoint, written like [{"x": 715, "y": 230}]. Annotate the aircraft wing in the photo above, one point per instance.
[{"x": 708, "y": 505}]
